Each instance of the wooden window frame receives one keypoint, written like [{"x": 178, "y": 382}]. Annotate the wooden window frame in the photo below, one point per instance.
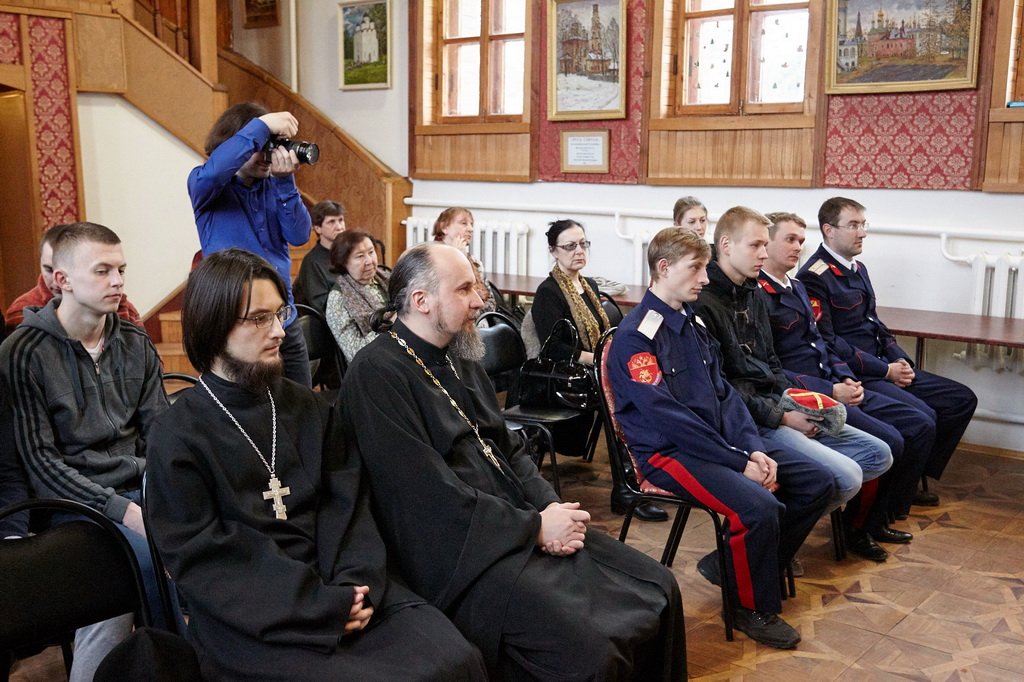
[
  {"x": 668, "y": 110},
  {"x": 485, "y": 39}
]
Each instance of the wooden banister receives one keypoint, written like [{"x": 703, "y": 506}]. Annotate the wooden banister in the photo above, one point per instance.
[{"x": 371, "y": 192}]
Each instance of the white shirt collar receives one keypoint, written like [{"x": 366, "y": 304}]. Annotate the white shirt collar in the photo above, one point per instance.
[
  {"x": 848, "y": 264},
  {"x": 784, "y": 283}
]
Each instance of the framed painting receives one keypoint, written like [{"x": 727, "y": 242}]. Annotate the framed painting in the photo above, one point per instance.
[
  {"x": 877, "y": 46},
  {"x": 364, "y": 44},
  {"x": 586, "y": 59},
  {"x": 260, "y": 14}
]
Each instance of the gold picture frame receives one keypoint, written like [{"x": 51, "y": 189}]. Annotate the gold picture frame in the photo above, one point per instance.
[
  {"x": 586, "y": 74},
  {"x": 584, "y": 151},
  {"x": 364, "y": 44},
  {"x": 880, "y": 46}
]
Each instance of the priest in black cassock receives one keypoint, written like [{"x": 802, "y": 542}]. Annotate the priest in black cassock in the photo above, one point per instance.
[
  {"x": 263, "y": 518},
  {"x": 473, "y": 526}
]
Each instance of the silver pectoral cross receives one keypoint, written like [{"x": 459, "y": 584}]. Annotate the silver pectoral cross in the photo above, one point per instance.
[{"x": 275, "y": 493}]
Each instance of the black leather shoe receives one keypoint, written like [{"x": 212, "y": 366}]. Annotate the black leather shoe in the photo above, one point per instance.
[
  {"x": 708, "y": 567},
  {"x": 766, "y": 628},
  {"x": 645, "y": 511},
  {"x": 891, "y": 535},
  {"x": 926, "y": 498},
  {"x": 863, "y": 545}
]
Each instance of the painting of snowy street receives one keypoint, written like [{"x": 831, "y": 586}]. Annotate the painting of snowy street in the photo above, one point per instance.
[
  {"x": 587, "y": 41},
  {"x": 902, "y": 45}
]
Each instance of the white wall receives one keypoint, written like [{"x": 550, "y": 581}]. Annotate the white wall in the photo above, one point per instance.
[
  {"x": 907, "y": 270},
  {"x": 379, "y": 119},
  {"x": 135, "y": 183}
]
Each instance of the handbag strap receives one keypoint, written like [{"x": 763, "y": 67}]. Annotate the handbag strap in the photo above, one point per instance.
[{"x": 574, "y": 337}]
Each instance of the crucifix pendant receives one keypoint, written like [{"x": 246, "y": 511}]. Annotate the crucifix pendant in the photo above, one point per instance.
[{"x": 275, "y": 493}]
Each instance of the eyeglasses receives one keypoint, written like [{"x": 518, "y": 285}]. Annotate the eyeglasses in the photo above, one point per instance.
[
  {"x": 572, "y": 246},
  {"x": 855, "y": 226},
  {"x": 264, "y": 320}
]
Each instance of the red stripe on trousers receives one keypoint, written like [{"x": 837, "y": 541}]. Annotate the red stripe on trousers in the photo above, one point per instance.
[{"x": 737, "y": 531}]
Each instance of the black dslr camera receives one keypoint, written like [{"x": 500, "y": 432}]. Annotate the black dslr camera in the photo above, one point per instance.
[{"x": 307, "y": 152}]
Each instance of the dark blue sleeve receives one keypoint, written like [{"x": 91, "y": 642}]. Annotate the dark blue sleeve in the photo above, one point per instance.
[
  {"x": 206, "y": 182},
  {"x": 647, "y": 409}
]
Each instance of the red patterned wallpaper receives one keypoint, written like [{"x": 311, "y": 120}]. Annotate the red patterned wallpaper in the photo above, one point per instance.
[
  {"x": 624, "y": 154},
  {"x": 10, "y": 39},
  {"x": 51, "y": 113},
  {"x": 905, "y": 141}
]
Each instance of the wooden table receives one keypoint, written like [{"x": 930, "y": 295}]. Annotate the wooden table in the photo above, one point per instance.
[
  {"x": 929, "y": 324},
  {"x": 524, "y": 285}
]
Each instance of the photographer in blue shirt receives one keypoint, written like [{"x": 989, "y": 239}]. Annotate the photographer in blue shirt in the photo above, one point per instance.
[{"x": 245, "y": 196}]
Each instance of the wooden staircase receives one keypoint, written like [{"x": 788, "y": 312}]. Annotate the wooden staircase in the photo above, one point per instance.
[{"x": 172, "y": 353}]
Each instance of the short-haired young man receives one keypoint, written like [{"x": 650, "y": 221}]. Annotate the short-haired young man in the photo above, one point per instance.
[
  {"x": 736, "y": 314},
  {"x": 246, "y": 197},
  {"x": 844, "y": 304},
  {"x": 86, "y": 388},
  {"x": 472, "y": 525},
  {"x": 263, "y": 518},
  {"x": 810, "y": 363},
  {"x": 45, "y": 289},
  {"x": 692, "y": 435},
  {"x": 315, "y": 277}
]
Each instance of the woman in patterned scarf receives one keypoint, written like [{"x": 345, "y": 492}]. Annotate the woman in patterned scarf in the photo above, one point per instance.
[
  {"x": 567, "y": 294},
  {"x": 360, "y": 289}
]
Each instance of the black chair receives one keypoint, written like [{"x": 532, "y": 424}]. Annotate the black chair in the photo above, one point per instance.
[
  {"x": 65, "y": 577},
  {"x": 327, "y": 363},
  {"x": 505, "y": 352},
  {"x": 502, "y": 305},
  {"x": 177, "y": 378},
  {"x": 611, "y": 309}
]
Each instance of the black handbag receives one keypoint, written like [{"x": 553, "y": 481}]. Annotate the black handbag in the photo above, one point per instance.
[{"x": 550, "y": 383}]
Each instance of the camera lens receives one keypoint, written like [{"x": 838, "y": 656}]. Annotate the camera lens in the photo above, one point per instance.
[{"x": 307, "y": 152}]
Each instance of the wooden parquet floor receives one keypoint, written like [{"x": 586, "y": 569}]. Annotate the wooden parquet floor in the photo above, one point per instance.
[{"x": 949, "y": 606}]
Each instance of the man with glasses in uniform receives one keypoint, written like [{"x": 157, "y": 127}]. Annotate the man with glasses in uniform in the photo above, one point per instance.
[{"x": 843, "y": 301}]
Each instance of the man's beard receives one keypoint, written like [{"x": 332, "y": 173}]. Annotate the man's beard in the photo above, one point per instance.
[
  {"x": 252, "y": 376},
  {"x": 467, "y": 344}
]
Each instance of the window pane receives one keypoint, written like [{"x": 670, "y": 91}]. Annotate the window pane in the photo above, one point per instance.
[
  {"x": 460, "y": 95},
  {"x": 706, "y": 5},
  {"x": 778, "y": 56},
  {"x": 707, "y": 76},
  {"x": 508, "y": 16},
  {"x": 462, "y": 18},
  {"x": 755, "y": 3},
  {"x": 507, "y": 70}
]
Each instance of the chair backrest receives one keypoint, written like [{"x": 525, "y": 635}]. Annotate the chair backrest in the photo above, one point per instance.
[
  {"x": 327, "y": 363},
  {"x": 620, "y": 456},
  {"x": 66, "y": 576},
  {"x": 503, "y": 346},
  {"x": 503, "y": 305},
  {"x": 611, "y": 309},
  {"x": 173, "y": 378}
]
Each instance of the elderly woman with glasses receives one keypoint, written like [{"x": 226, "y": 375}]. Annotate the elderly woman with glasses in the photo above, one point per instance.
[
  {"x": 360, "y": 289},
  {"x": 567, "y": 294}
]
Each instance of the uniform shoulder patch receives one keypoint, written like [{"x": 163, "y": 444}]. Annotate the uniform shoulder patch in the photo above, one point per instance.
[
  {"x": 643, "y": 368},
  {"x": 819, "y": 266},
  {"x": 815, "y": 307},
  {"x": 651, "y": 323}
]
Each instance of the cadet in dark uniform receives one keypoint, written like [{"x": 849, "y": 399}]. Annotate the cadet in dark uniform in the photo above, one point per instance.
[
  {"x": 693, "y": 435},
  {"x": 843, "y": 299},
  {"x": 810, "y": 363}
]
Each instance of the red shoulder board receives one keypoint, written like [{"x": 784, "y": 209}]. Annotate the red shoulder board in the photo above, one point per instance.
[
  {"x": 815, "y": 308},
  {"x": 767, "y": 286},
  {"x": 835, "y": 270},
  {"x": 643, "y": 367}
]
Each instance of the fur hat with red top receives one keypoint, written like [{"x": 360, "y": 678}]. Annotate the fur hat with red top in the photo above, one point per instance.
[{"x": 832, "y": 412}]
